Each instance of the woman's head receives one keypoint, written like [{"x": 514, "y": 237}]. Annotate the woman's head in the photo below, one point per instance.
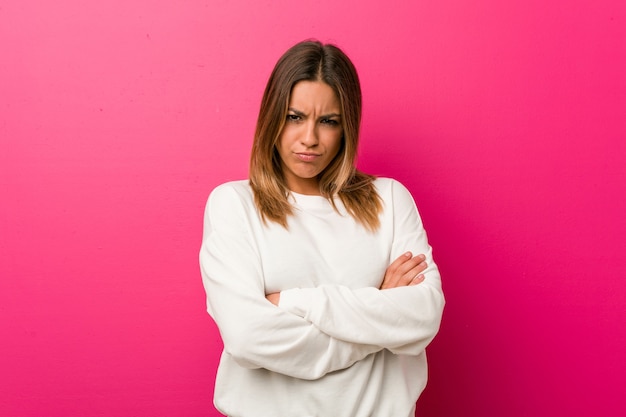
[
  {"x": 301, "y": 79},
  {"x": 307, "y": 61}
]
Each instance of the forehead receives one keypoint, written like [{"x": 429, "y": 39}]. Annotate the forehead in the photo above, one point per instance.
[{"x": 314, "y": 94}]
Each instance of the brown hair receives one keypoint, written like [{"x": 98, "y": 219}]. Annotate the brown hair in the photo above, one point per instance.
[{"x": 312, "y": 61}]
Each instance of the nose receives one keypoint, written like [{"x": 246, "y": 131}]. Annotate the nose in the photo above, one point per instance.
[{"x": 309, "y": 136}]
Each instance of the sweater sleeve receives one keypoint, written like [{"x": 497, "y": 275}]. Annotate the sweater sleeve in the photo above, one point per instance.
[
  {"x": 403, "y": 320},
  {"x": 256, "y": 333}
]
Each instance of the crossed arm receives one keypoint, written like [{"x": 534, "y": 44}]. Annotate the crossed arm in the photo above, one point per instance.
[{"x": 405, "y": 271}]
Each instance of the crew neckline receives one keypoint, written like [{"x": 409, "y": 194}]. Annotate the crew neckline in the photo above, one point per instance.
[
  {"x": 306, "y": 195},
  {"x": 311, "y": 202}
]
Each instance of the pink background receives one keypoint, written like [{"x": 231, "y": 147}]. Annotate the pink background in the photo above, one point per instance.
[{"x": 506, "y": 119}]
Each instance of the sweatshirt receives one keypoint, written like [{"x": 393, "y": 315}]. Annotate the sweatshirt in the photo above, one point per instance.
[{"x": 336, "y": 345}]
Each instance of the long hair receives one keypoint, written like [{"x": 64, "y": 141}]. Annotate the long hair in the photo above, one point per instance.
[{"x": 312, "y": 61}]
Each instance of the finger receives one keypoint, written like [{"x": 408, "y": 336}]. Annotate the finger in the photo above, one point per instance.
[
  {"x": 417, "y": 280},
  {"x": 402, "y": 259},
  {"x": 412, "y": 266},
  {"x": 421, "y": 267},
  {"x": 413, "y": 273},
  {"x": 395, "y": 271},
  {"x": 403, "y": 270}
]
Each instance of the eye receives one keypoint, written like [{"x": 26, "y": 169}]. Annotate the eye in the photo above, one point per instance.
[
  {"x": 293, "y": 118},
  {"x": 330, "y": 122}
]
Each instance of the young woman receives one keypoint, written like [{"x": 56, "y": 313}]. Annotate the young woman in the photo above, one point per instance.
[{"x": 319, "y": 277}]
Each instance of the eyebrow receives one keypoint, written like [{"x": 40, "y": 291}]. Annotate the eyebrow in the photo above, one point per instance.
[{"x": 323, "y": 116}]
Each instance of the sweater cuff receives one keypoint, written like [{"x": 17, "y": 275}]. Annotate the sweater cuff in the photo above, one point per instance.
[{"x": 294, "y": 301}]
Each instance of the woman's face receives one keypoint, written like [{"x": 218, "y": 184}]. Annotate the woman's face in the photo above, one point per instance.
[{"x": 312, "y": 135}]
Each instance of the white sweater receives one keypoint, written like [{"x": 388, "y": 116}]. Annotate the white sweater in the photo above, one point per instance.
[{"x": 336, "y": 345}]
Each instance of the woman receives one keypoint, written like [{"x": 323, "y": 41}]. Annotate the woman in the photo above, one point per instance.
[{"x": 319, "y": 277}]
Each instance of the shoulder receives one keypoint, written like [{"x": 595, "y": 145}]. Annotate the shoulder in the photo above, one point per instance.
[
  {"x": 230, "y": 191},
  {"x": 395, "y": 196},
  {"x": 238, "y": 186},
  {"x": 229, "y": 196},
  {"x": 229, "y": 205},
  {"x": 390, "y": 187}
]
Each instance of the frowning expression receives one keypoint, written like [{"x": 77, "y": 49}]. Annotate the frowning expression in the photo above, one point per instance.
[{"x": 311, "y": 136}]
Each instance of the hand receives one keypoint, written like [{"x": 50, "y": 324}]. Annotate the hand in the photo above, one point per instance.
[
  {"x": 273, "y": 298},
  {"x": 404, "y": 271}
]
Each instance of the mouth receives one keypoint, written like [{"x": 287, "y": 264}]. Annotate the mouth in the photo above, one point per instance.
[{"x": 307, "y": 156}]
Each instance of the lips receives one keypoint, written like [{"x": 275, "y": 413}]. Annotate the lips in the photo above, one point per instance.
[{"x": 307, "y": 156}]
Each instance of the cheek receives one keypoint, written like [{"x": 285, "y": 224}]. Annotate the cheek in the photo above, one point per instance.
[
  {"x": 335, "y": 143},
  {"x": 285, "y": 139}
]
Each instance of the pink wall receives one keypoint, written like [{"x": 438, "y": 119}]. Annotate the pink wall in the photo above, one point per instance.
[{"x": 505, "y": 119}]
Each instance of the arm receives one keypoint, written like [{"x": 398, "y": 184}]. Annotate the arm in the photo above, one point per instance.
[
  {"x": 255, "y": 333},
  {"x": 406, "y": 270},
  {"x": 402, "y": 319}
]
